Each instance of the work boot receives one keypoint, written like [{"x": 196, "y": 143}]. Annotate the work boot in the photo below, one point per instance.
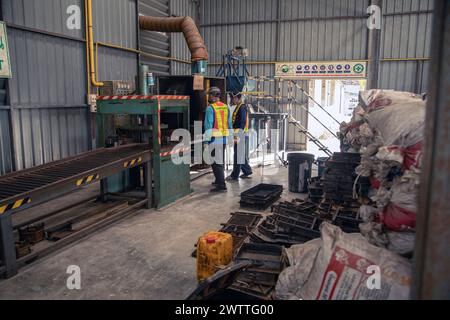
[{"x": 218, "y": 189}]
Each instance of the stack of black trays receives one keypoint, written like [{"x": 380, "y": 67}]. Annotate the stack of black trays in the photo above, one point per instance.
[
  {"x": 240, "y": 225},
  {"x": 339, "y": 177},
  {"x": 315, "y": 189},
  {"x": 290, "y": 223},
  {"x": 344, "y": 216},
  {"x": 261, "y": 197},
  {"x": 259, "y": 280}
]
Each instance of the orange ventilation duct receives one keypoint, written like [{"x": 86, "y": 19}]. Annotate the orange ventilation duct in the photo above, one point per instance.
[{"x": 178, "y": 24}]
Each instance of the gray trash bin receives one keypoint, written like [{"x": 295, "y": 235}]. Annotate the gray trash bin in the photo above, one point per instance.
[{"x": 300, "y": 168}]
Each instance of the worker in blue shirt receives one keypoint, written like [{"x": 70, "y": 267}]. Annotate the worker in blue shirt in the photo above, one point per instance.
[
  {"x": 240, "y": 124},
  {"x": 217, "y": 131}
]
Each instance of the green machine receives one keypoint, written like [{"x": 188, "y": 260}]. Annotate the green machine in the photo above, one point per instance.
[{"x": 150, "y": 120}]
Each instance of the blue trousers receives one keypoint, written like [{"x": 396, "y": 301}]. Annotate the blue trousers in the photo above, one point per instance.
[{"x": 243, "y": 164}]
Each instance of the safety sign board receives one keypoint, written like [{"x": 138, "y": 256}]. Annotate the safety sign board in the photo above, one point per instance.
[
  {"x": 322, "y": 69},
  {"x": 5, "y": 66}
]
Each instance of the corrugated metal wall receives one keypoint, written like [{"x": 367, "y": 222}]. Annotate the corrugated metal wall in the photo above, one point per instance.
[
  {"x": 157, "y": 43},
  {"x": 46, "y": 15},
  {"x": 6, "y": 163},
  {"x": 316, "y": 30},
  {"x": 42, "y": 135},
  {"x": 406, "y": 33},
  {"x": 47, "y": 94},
  {"x": 311, "y": 30},
  {"x": 115, "y": 22},
  {"x": 48, "y": 82},
  {"x": 114, "y": 64},
  {"x": 48, "y": 89},
  {"x": 5, "y": 132},
  {"x": 323, "y": 30},
  {"x": 47, "y": 71}
]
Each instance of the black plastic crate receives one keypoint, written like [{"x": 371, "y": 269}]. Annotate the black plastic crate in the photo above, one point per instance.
[
  {"x": 261, "y": 196},
  {"x": 338, "y": 177},
  {"x": 262, "y": 191},
  {"x": 267, "y": 262},
  {"x": 347, "y": 157},
  {"x": 271, "y": 233},
  {"x": 246, "y": 219},
  {"x": 265, "y": 257},
  {"x": 340, "y": 165}
]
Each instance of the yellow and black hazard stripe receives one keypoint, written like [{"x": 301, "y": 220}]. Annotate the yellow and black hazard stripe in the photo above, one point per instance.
[
  {"x": 14, "y": 205},
  {"x": 131, "y": 163},
  {"x": 88, "y": 179}
]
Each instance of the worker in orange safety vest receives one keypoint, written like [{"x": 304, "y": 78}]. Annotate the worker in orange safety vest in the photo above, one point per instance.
[{"x": 217, "y": 131}]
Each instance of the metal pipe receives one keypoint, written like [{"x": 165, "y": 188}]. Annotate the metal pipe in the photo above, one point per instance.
[
  {"x": 102, "y": 44},
  {"x": 351, "y": 60},
  {"x": 86, "y": 34},
  {"x": 90, "y": 40},
  {"x": 315, "y": 19},
  {"x": 53, "y": 213},
  {"x": 143, "y": 85},
  {"x": 108, "y": 45},
  {"x": 186, "y": 25},
  {"x": 96, "y": 60},
  {"x": 374, "y": 50}
]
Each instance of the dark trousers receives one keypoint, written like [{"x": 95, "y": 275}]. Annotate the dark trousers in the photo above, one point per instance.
[
  {"x": 241, "y": 161},
  {"x": 218, "y": 165}
]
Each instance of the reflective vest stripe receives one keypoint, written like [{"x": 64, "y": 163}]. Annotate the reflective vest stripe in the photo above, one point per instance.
[
  {"x": 220, "y": 119},
  {"x": 235, "y": 113}
]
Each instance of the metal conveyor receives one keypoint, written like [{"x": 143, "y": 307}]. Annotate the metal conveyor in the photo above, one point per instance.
[
  {"x": 24, "y": 189},
  {"x": 29, "y": 187}
]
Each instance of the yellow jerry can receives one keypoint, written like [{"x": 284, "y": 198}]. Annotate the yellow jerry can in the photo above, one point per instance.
[{"x": 214, "y": 249}]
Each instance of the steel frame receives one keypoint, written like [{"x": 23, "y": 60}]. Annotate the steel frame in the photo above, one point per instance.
[
  {"x": 60, "y": 178},
  {"x": 171, "y": 182}
]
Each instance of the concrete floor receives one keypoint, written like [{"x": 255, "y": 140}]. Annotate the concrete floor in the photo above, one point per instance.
[{"x": 147, "y": 256}]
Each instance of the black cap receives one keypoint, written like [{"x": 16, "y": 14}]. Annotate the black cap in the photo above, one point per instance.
[{"x": 236, "y": 94}]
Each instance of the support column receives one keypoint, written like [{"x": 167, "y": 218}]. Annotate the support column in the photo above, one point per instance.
[
  {"x": 7, "y": 248},
  {"x": 148, "y": 184},
  {"x": 104, "y": 190},
  {"x": 374, "y": 49},
  {"x": 431, "y": 272}
]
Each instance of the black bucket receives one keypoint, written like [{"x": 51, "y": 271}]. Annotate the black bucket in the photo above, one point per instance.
[{"x": 300, "y": 168}]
